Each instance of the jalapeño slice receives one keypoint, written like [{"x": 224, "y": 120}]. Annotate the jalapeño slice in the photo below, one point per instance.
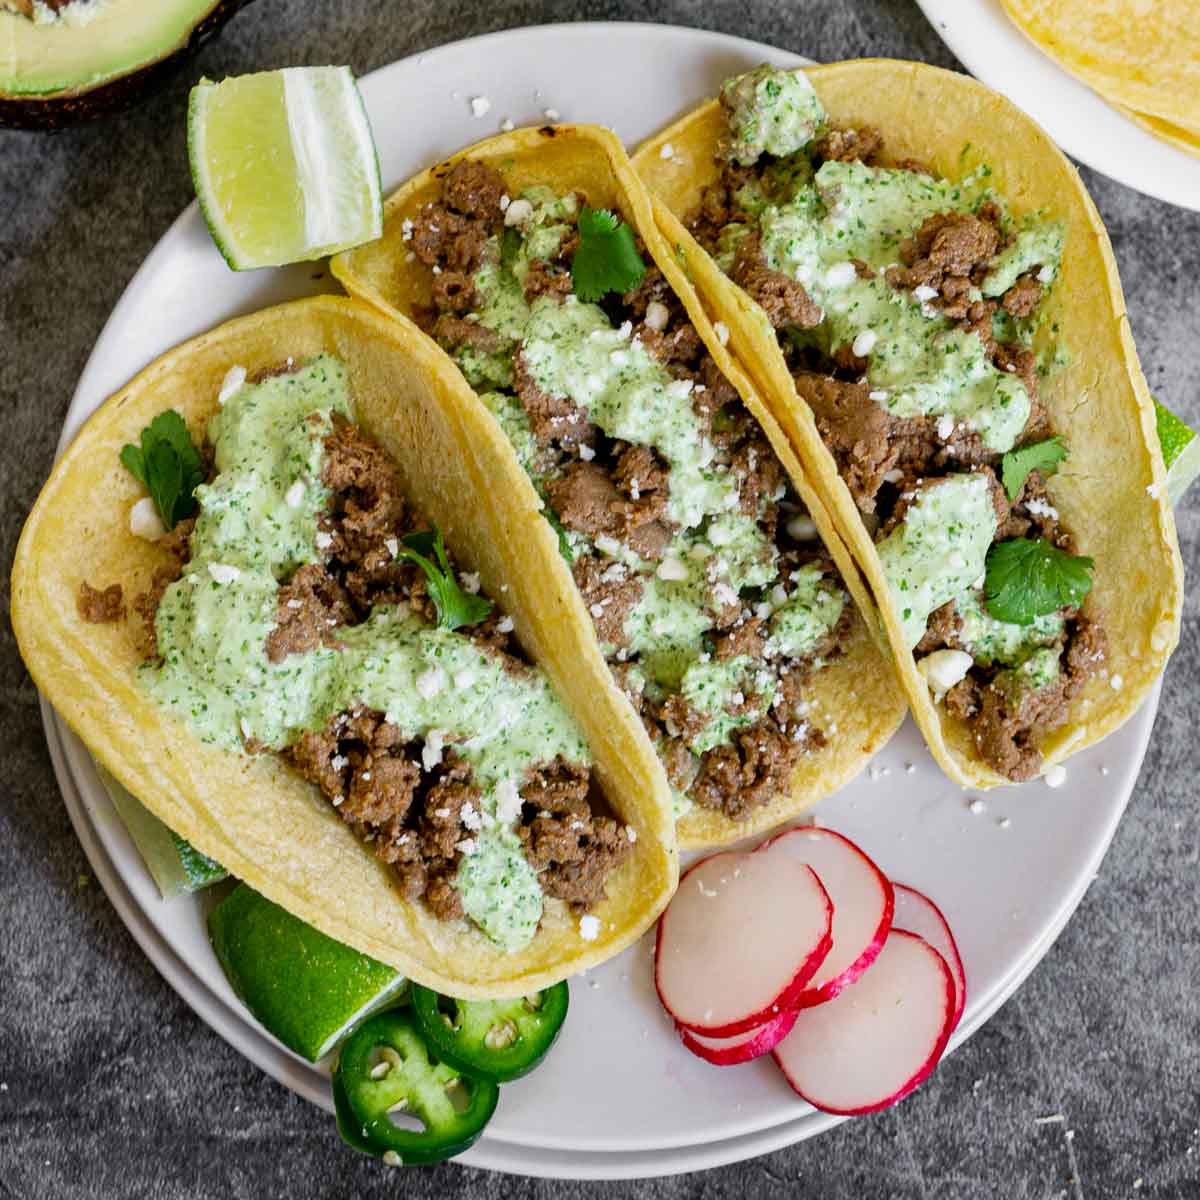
[
  {"x": 396, "y": 1099},
  {"x": 492, "y": 1039}
]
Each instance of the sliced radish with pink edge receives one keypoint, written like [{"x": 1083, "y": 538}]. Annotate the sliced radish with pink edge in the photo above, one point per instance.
[
  {"x": 880, "y": 1038},
  {"x": 916, "y": 913},
  {"x": 742, "y": 1047},
  {"x": 861, "y": 896},
  {"x": 739, "y": 941}
]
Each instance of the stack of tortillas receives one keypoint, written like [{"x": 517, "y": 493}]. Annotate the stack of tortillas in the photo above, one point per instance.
[{"x": 1142, "y": 56}]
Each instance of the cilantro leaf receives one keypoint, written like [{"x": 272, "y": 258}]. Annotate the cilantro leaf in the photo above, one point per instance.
[
  {"x": 1041, "y": 456},
  {"x": 455, "y": 607},
  {"x": 1028, "y": 578},
  {"x": 606, "y": 259},
  {"x": 168, "y": 465},
  {"x": 564, "y": 542}
]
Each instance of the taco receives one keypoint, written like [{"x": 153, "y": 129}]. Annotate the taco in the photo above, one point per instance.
[
  {"x": 709, "y": 577},
  {"x": 921, "y": 286},
  {"x": 310, "y": 652}
]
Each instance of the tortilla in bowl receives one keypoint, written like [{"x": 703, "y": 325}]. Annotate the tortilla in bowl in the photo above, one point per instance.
[
  {"x": 679, "y": 507},
  {"x": 213, "y": 780},
  {"x": 852, "y": 209}
]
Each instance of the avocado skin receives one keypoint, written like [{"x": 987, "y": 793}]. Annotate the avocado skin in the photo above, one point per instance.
[{"x": 62, "y": 109}]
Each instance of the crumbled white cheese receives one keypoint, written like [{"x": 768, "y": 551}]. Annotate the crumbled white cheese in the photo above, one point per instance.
[
  {"x": 429, "y": 683},
  {"x": 671, "y": 569},
  {"x": 924, "y": 293},
  {"x": 294, "y": 496},
  {"x": 506, "y": 125},
  {"x": 877, "y": 395},
  {"x": 841, "y": 275},
  {"x": 471, "y": 817},
  {"x": 235, "y": 377},
  {"x": 802, "y": 528},
  {"x": 631, "y": 833},
  {"x": 1055, "y": 776},
  {"x": 667, "y": 150},
  {"x": 722, "y": 332},
  {"x": 393, "y": 546},
  {"x": 945, "y": 427},
  {"x": 463, "y": 679},
  {"x": 589, "y": 927},
  {"x": 724, "y": 594},
  {"x": 508, "y": 801},
  {"x": 324, "y": 540},
  {"x": 518, "y": 212},
  {"x": 224, "y": 573},
  {"x": 977, "y": 807},
  {"x": 466, "y": 846},
  {"x": 864, "y": 343},
  {"x": 1046, "y": 274},
  {"x": 294, "y": 604},
  {"x": 657, "y": 315},
  {"x": 586, "y": 453},
  {"x": 552, "y": 114},
  {"x": 480, "y": 106},
  {"x": 470, "y": 582},
  {"x": 1116, "y": 683},
  {"x": 144, "y": 521},
  {"x": 406, "y": 229},
  {"x": 339, "y": 762},
  {"x": 431, "y": 751},
  {"x": 1041, "y": 509},
  {"x": 504, "y": 625},
  {"x": 943, "y": 669}
]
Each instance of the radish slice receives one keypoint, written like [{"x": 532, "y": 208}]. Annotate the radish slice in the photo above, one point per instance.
[
  {"x": 739, "y": 941},
  {"x": 861, "y": 896},
  {"x": 878, "y": 1040},
  {"x": 916, "y": 913},
  {"x": 742, "y": 1047}
]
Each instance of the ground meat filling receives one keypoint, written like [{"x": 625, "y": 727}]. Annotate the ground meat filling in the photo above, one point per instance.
[
  {"x": 101, "y": 606},
  {"x": 603, "y": 488},
  {"x": 413, "y": 801},
  {"x": 886, "y": 460}
]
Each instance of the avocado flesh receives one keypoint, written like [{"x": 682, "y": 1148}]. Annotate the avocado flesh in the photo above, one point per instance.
[{"x": 61, "y": 59}]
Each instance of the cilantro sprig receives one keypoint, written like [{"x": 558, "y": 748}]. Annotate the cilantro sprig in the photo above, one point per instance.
[
  {"x": 1041, "y": 456},
  {"x": 1027, "y": 578},
  {"x": 168, "y": 465},
  {"x": 606, "y": 259},
  {"x": 455, "y": 607}
]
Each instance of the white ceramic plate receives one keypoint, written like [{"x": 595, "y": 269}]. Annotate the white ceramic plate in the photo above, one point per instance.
[
  {"x": 1007, "y": 877},
  {"x": 994, "y": 50}
]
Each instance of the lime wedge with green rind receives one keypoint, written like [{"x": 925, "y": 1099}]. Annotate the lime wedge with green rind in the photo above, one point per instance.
[
  {"x": 175, "y": 865},
  {"x": 1180, "y": 451},
  {"x": 284, "y": 165},
  {"x": 303, "y": 987}
]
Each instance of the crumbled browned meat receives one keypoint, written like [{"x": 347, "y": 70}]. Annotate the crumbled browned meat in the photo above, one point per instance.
[
  {"x": 454, "y": 292},
  {"x": 678, "y": 346},
  {"x": 783, "y": 299},
  {"x": 744, "y": 638},
  {"x": 754, "y": 767},
  {"x": 101, "y": 606},
  {"x": 1023, "y": 297},
  {"x": 177, "y": 545},
  {"x": 446, "y": 239},
  {"x": 718, "y": 204},
  {"x": 307, "y": 610},
  {"x": 367, "y": 505},
  {"x": 848, "y": 145},
  {"x": 638, "y": 471},
  {"x": 546, "y": 279},
  {"x": 474, "y": 189},
  {"x": 585, "y": 498},
  {"x": 943, "y": 630},
  {"x": 455, "y": 332},
  {"x": 681, "y": 720},
  {"x": 653, "y": 286},
  {"x": 609, "y": 594},
  {"x": 759, "y": 474},
  {"x": 682, "y": 766},
  {"x": 944, "y": 253},
  {"x": 1033, "y": 514},
  {"x": 572, "y": 849},
  {"x": 1022, "y": 362},
  {"x": 551, "y": 418},
  {"x": 855, "y": 428}
]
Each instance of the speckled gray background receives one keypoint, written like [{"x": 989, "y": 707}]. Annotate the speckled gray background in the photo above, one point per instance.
[{"x": 111, "y": 1087}]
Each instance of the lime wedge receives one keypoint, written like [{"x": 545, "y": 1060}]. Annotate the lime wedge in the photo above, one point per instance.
[
  {"x": 1180, "y": 451},
  {"x": 302, "y": 986},
  {"x": 284, "y": 165},
  {"x": 175, "y": 865}
]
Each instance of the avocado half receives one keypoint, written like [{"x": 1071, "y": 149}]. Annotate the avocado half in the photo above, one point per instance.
[{"x": 64, "y": 72}]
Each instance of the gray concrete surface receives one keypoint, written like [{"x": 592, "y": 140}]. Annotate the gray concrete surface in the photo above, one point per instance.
[{"x": 111, "y": 1087}]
